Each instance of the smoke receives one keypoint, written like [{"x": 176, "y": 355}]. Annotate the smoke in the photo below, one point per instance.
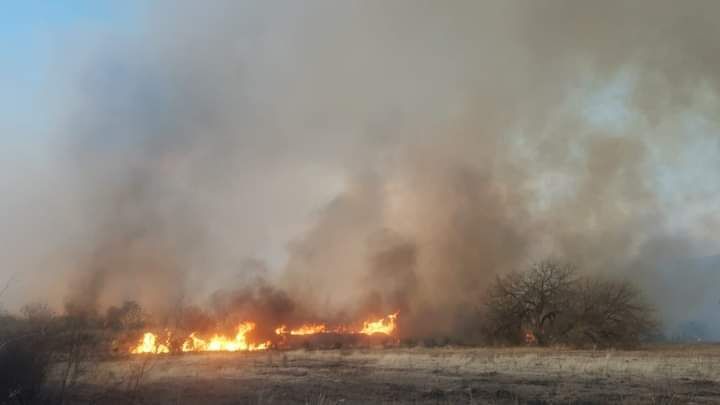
[{"x": 393, "y": 155}]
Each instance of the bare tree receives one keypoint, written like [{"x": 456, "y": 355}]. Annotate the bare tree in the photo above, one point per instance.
[
  {"x": 24, "y": 354},
  {"x": 528, "y": 303},
  {"x": 24, "y": 365},
  {"x": 551, "y": 303},
  {"x": 75, "y": 345},
  {"x": 610, "y": 313},
  {"x": 7, "y": 285}
]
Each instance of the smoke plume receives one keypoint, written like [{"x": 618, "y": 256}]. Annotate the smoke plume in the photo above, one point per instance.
[{"x": 377, "y": 156}]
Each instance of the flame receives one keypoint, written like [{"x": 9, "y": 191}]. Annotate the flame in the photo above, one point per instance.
[
  {"x": 240, "y": 342},
  {"x": 530, "y": 338},
  {"x": 149, "y": 344},
  {"x": 384, "y": 325},
  {"x": 307, "y": 329},
  {"x": 217, "y": 343},
  {"x": 220, "y": 343}
]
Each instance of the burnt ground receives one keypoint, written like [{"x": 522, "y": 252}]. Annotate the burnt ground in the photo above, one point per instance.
[{"x": 660, "y": 375}]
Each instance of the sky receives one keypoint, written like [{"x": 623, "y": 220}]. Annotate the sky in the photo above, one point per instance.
[
  {"x": 35, "y": 39},
  {"x": 254, "y": 123},
  {"x": 41, "y": 44},
  {"x": 39, "y": 38}
]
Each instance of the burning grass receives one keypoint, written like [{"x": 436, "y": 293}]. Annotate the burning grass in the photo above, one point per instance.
[
  {"x": 155, "y": 343},
  {"x": 354, "y": 363}
]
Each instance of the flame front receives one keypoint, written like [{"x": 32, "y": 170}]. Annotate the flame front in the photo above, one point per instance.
[
  {"x": 149, "y": 344},
  {"x": 240, "y": 342},
  {"x": 385, "y": 325},
  {"x": 219, "y": 343},
  {"x": 308, "y": 329}
]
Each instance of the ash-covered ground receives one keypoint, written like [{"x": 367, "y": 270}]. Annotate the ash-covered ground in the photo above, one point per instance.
[{"x": 656, "y": 375}]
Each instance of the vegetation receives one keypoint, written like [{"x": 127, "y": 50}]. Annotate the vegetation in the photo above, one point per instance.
[
  {"x": 551, "y": 303},
  {"x": 38, "y": 342}
]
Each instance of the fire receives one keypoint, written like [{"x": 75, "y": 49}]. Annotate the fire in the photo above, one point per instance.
[
  {"x": 193, "y": 343},
  {"x": 149, "y": 345},
  {"x": 384, "y": 325},
  {"x": 240, "y": 342},
  {"x": 219, "y": 343},
  {"x": 308, "y": 329}
]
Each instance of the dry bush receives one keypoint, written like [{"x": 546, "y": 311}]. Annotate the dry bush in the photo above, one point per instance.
[
  {"x": 70, "y": 344},
  {"x": 609, "y": 313},
  {"x": 551, "y": 303},
  {"x": 77, "y": 341},
  {"x": 127, "y": 317},
  {"x": 24, "y": 364},
  {"x": 25, "y": 354},
  {"x": 39, "y": 341}
]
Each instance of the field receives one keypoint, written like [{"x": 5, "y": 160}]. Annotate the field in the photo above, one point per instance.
[{"x": 657, "y": 375}]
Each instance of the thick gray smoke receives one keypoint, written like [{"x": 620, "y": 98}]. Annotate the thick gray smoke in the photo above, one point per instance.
[{"x": 396, "y": 155}]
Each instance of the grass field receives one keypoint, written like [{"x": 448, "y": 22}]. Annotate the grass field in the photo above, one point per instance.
[{"x": 654, "y": 375}]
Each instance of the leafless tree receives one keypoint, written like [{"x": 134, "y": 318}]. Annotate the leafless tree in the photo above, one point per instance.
[
  {"x": 609, "y": 313},
  {"x": 529, "y": 302},
  {"x": 7, "y": 285},
  {"x": 75, "y": 347},
  {"x": 24, "y": 354},
  {"x": 551, "y": 303}
]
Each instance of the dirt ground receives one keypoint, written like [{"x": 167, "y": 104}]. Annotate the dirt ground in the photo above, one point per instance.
[{"x": 658, "y": 375}]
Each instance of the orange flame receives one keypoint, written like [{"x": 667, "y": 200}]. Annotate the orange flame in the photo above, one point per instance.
[
  {"x": 240, "y": 342},
  {"x": 193, "y": 343},
  {"x": 308, "y": 329},
  {"x": 384, "y": 325},
  {"x": 149, "y": 344},
  {"x": 220, "y": 343},
  {"x": 530, "y": 338}
]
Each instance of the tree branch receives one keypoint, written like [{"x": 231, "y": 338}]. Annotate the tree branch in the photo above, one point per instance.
[{"x": 7, "y": 284}]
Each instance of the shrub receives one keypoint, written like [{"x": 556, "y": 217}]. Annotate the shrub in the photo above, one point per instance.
[
  {"x": 23, "y": 367},
  {"x": 551, "y": 303}
]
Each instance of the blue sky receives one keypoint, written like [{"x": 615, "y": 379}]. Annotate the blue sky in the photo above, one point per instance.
[{"x": 34, "y": 36}]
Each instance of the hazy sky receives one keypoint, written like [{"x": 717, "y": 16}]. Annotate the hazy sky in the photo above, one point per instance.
[
  {"x": 262, "y": 129},
  {"x": 39, "y": 78},
  {"x": 47, "y": 44}
]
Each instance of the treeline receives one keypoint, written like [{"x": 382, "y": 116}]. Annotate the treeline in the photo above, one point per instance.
[{"x": 548, "y": 304}]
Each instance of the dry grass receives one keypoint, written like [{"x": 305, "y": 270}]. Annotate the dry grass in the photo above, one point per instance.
[{"x": 656, "y": 375}]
